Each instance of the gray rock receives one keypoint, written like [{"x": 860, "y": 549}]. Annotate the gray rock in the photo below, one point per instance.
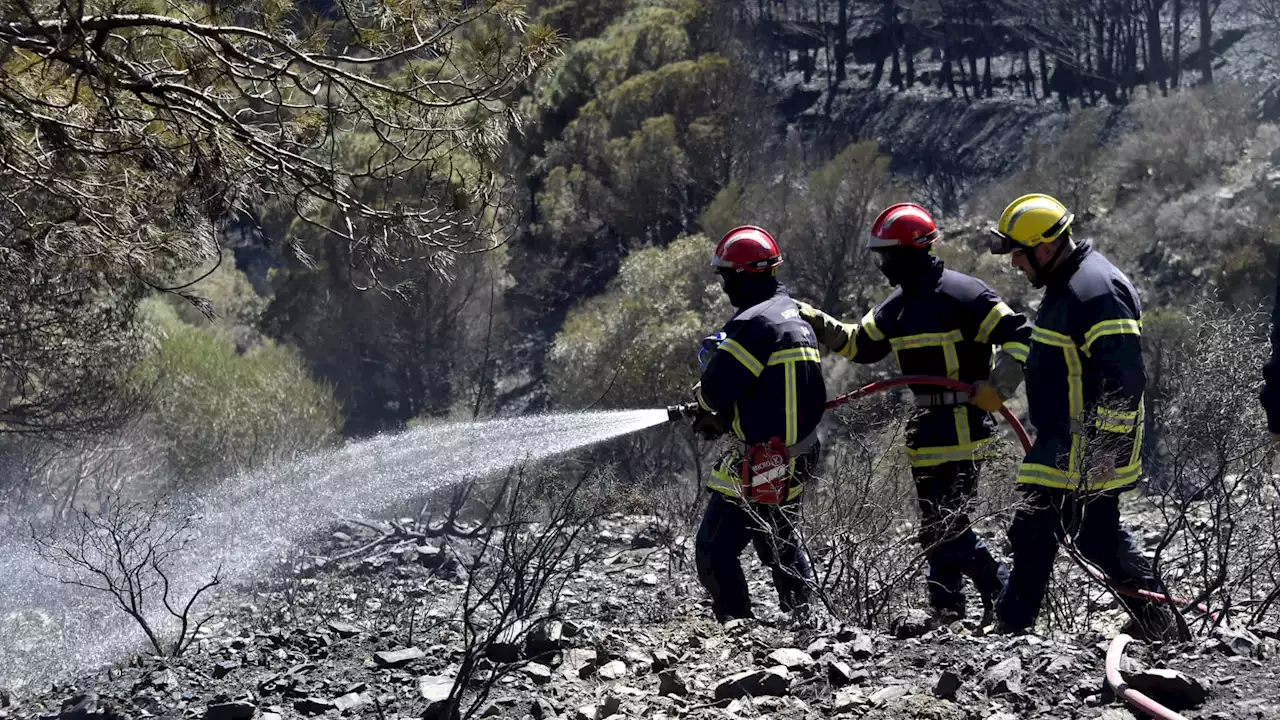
[
  {"x": 612, "y": 670},
  {"x": 1176, "y": 691},
  {"x": 224, "y": 668},
  {"x": 434, "y": 688},
  {"x": 7, "y": 698},
  {"x": 752, "y": 683},
  {"x": 671, "y": 683},
  {"x": 546, "y": 637},
  {"x": 838, "y": 672},
  {"x": 947, "y": 686},
  {"x": 508, "y": 647},
  {"x": 349, "y": 701},
  {"x": 1004, "y": 677},
  {"x": 848, "y": 700},
  {"x": 662, "y": 660},
  {"x": 818, "y": 647},
  {"x": 888, "y": 694},
  {"x": 861, "y": 648},
  {"x": 269, "y": 716},
  {"x": 238, "y": 710},
  {"x": 1237, "y": 641},
  {"x": 790, "y": 658},
  {"x": 639, "y": 661},
  {"x": 398, "y": 658},
  {"x": 163, "y": 680},
  {"x": 538, "y": 673},
  {"x": 79, "y": 707},
  {"x": 578, "y": 663},
  {"x": 344, "y": 630},
  {"x": 314, "y": 706},
  {"x": 1003, "y": 716},
  {"x": 911, "y": 624}
]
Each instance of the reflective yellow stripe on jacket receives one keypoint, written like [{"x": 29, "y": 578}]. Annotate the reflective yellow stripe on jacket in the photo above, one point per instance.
[{"x": 966, "y": 448}]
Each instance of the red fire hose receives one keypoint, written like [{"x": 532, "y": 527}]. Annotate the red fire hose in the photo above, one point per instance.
[{"x": 1116, "y": 651}]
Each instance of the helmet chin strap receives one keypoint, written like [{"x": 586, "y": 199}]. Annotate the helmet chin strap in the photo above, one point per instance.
[{"x": 1038, "y": 270}]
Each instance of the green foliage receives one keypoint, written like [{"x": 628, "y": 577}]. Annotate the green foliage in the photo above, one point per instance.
[
  {"x": 218, "y": 411},
  {"x": 635, "y": 345}
]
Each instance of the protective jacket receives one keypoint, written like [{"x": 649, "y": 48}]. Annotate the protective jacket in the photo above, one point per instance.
[
  {"x": 1271, "y": 370},
  {"x": 940, "y": 323},
  {"x": 766, "y": 381},
  {"x": 1085, "y": 376}
]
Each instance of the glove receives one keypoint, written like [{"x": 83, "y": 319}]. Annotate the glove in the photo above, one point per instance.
[
  {"x": 809, "y": 313},
  {"x": 987, "y": 397},
  {"x": 710, "y": 344},
  {"x": 709, "y": 425}
]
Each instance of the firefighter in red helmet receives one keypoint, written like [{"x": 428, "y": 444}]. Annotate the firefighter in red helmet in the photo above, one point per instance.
[
  {"x": 763, "y": 384},
  {"x": 943, "y": 323}
]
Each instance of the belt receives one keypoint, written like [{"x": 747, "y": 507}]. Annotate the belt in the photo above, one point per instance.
[{"x": 939, "y": 399}]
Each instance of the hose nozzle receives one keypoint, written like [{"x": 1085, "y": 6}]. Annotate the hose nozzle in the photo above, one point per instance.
[{"x": 678, "y": 412}]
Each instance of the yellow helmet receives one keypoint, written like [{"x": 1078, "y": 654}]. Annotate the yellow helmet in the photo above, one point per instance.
[{"x": 1031, "y": 220}]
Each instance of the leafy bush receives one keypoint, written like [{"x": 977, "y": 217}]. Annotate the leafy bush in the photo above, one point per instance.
[{"x": 219, "y": 411}]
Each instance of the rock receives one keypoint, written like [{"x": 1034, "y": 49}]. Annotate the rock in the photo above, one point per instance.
[
  {"x": 578, "y": 663},
  {"x": 911, "y": 624},
  {"x": 1004, "y": 677},
  {"x": 1116, "y": 714},
  {"x": 7, "y": 698},
  {"x": 314, "y": 706},
  {"x": 848, "y": 700},
  {"x": 434, "y": 688},
  {"x": 1176, "y": 691},
  {"x": 224, "y": 668},
  {"x": 539, "y": 673},
  {"x": 269, "y": 716},
  {"x": 1003, "y": 716},
  {"x": 752, "y": 683},
  {"x": 890, "y": 693},
  {"x": 349, "y": 701},
  {"x": 1237, "y": 642},
  {"x": 586, "y": 712},
  {"x": 163, "y": 680},
  {"x": 344, "y": 630},
  {"x": 917, "y": 707},
  {"x": 79, "y": 707},
  {"x": 612, "y": 670},
  {"x": 861, "y": 648},
  {"x": 1060, "y": 663},
  {"x": 671, "y": 683},
  {"x": 508, "y": 647},
  {"x": 818, "y": 647},
  {"x": 639, "y": 661},
  {"x": 238, "y": 710},
  {"x": 790, "y": 658},
  {"x": 839, "y": 673},
  {"x": 545, "y": 637},
  {"x": 398, "y": 658},
  {"x": 662, "y": 660},
  {"x": 947, "y": 686}
]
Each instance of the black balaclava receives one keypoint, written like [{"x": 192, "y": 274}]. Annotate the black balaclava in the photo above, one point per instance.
[
  {"x": 902, "y": 265},
  {"x": 746, "y": 289},
  {"x": 1040, "y": 275}
]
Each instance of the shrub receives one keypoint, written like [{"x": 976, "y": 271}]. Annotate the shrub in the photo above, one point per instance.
[{"x": 218, "y": 411}]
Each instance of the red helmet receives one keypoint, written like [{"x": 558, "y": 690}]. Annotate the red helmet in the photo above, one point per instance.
[
  {"x": 903, "y": 225},
  {"x": 747, "y": 248}
]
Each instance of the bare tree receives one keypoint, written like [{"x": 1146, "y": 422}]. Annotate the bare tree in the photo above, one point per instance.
[{"x": 129, "y": 550}]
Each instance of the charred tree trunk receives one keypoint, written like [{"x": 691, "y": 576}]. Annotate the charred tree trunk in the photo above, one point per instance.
[
  {"x": 1206, "y": 34},
  {"x": 1044, "y": 75},
  {"x": 1028, "y": 77},
  {"x": 842, "y": 40},
  {"x": 1155, "y": 48},
  {"x": 1176, "y": 72}
]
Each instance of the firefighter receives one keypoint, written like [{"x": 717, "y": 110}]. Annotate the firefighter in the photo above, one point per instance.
[
  {"x": 1085, "y": 381},
  {"x": 943, "y": 323},
  {"x": 763, "y": 383}
]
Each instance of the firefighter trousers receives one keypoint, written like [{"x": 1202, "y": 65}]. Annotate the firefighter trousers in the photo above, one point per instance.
[
  {"x": 726, "y": 530},
  {"x": 1092, "y": 522},
  {"x": 953, "y": 550}
]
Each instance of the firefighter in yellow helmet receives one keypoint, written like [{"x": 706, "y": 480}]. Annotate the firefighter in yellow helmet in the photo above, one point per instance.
[{"x": 1084, "y": 381}]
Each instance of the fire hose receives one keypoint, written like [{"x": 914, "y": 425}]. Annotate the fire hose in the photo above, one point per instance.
[{"x": 1115, "y": 652}]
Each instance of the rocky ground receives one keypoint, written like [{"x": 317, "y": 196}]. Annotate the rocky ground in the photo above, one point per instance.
[{"x": 372, "y": 629}]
